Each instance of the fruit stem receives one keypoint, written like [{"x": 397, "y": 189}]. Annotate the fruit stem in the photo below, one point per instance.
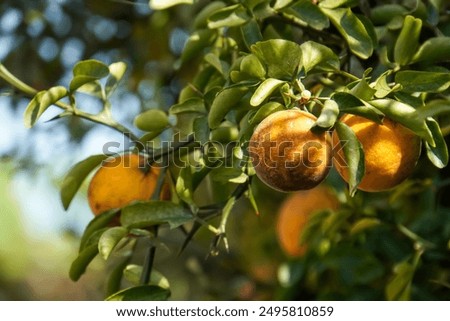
[{"x": 149, "y": 259}]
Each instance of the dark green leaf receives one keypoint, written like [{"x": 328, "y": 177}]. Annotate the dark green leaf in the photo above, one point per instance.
[
  {"x": 434, "y": 108},
  {"x": 423, "y": 81},
  {"x": 282, "y": 57},
  {"x": 80, "y": 81},
  {"x": 80, "y": 264},
  {"x": 405, "y": 115},
  {"x": 141, "y": 293},
  {"x": 331, "y": 4},
  {"x": 352, "y": 105},
  {"x": 221, "y": 66},
  {"x": 383, "y": 14},
  {"x": 191, "y": 105},
  {"x": 184, "y": 188},
  {"x": 308, "y": 14},
  {"x": 354, "y": 155},
  {"x": 231, "y": 16},
  {"x": 98, "y": 223},
  {"x": 362, "y": 90},
  {"x": 408, "y": 40},
  {"x": 109, "y": 240},
  {"x": 164, "y": 4},
  {"x": 75, "y": 177},
  {"x": 197, "y": 42},
  {"x": 352, "y": 29},
  {"x": 149, "y": 213},
  {"x": 115, "y": 276},
  {"x": 318, "y": 58},
  {"x": 328, "y": 115},
  {"x": 228, "y": 175},
  {"x": 224, "y": 134},
  {"x": 201, "y": 20},
  {"x": 201, "y": 130},
  {"x": 251, "y": 33},
  {"x": 252, "y": 66},
  {"x": 433, "y": 50},
  {"x": 438, "y": 155},
  {"x": 264, "y": 111},
  {"x": 223, "y": 103},
  {"x": 264, "y": 90},
  {"x": 91, "y": 68},
  {"x": 152, "y": 120}
]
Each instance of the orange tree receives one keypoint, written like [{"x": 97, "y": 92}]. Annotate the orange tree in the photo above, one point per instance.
[{"x": 242, "y": 62}]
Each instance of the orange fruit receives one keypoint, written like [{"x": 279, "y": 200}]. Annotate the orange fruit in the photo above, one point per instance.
[
  {"x": 286, "y": 154},
  {"x": 391, "y": 152},
  {"x": 120, "y": 181},
  {"x": 294, "y": 213}
]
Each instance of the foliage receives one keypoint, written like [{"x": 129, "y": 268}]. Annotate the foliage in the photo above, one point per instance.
[{"x": 246, "y": 60}]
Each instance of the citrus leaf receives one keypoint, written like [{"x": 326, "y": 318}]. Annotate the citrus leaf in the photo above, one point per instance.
[
  {"x": 307, "y": 13},
  {"x": 80, "y": 81},
  {"x": 405, "y": 115},
  {"x": 141, "y": 293},
  {"x": 190, "y": 105},
  {"x": 438, "y": 155},
  {"x": 221, "y": 66},
  {"x": 133, "y": 274},
  {"x": 434, "y": 108},
  {"x": 98, "y": 223},
  {"x": 331, "y": 4},
  {"x": 264, "y": 90},
  {"x": 251, "y": 33},
  {"x": 109, "y": 240},
  {"x": 282, "y": 57},
  {"x": 146, "y": 214},
  {"x": 197, "y": 42},
  {"x": 116, "y": 72},
  {"x": 264, "y": 111},
  {"x": 408, "y": 41},
  {"x": 223, "y": 103},
  {"x": 228, "y": 175},
  {"x": 201, "y": 19},
  {"x": 382, "y": 14},
  {"x": 201, "y": 130},
  {"x": 328, "y": 115},
  {"x": 363, "y": 224},
  {"x": 232, "y": 16},
  {"x": 75, "y": 177},
  {"x": 354, "y": 155},
  {"x": 114, "y": 281},
  {"x": 423, "y": 81},
  {"x": 79, "y": 265},
  {"x": 252, "y": 66},
  {"x": 433, "y": 50},
  {"x": 152, "y": 120},
  {"x": 353, "y": 105},
  {"x": 362, "y": 90},
  {"x": 164, "y": 4},
  {"x": 352, "y": 29},
  {"x": 318, "y": 58},
  {"x": 399, "y": 287},
  {"x": 184, "y": 187},
  {"x": 91, "y": 68},
  {"x": 41, "y": 102}
]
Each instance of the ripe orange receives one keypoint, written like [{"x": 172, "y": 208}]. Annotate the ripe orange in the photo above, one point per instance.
[
  {"x": 391, "y": 152},
  {"x": 120, "y": 181},
  {"x": 294, "y": 213},
  {"x": 286, "y": 154}
]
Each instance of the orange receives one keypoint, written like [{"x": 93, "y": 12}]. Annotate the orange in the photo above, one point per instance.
[
  {"x": 120, "y": 181},
  {"x": 391, "y": 152},
  {"x": 286, "y": 154},
  {"x": 294, "y": 213}
]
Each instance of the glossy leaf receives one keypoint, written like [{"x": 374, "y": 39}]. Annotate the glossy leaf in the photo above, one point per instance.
[
  {"x": 352, "y": 29},
  {"x": 197, "y": 42},
  {"x": 133, "y": 274},
  {"x": 221, "y": 66},
  {"x": 308, "y": 14},
  {"x": 80, "y": 81},
  {"x": 438, "y": 155},
  {"x": 231, "y": 16},
  {"x": 152, "y": 120},
  {"x": 331, "y": 4},
  {"x": 91, "y": 68},
  {"x": 141, "y": 293},
  {"x": 201, "y": 20},
  {"x": 318, "y": 58},
  {"x": 362, "y": 90},
  {"x": 164, "y": 4},
  {"x": 191, "y": 105},
  {"x": 281, "y": 57},
  {"x": 116, "y": 72},
  {"x": 433, "y": 50},
  {"x": 75, "y": 177},
  {"x": 405, "y": 115},
  {"x": 353, "y": 105},
  {"x": 223, "y": 103},
  {"x": 41, "y": 102},
  {"x": 251, "y": 33},
  {"x": 328, "y": 115},
  {"x": 98, "y": 223},
  {"x": 264, "y": 90},
  {"x": 423, "y": 81},
  {"x": 264, "y": 111},
  {"x": 354, "y": 155},
  {"x": 109, "y": 240},
  {"x": 79, "y": 265},
  {"x": 408, "y": 40},
  {"x": 146, "y": 214},
  {"x": 252, "y": 66}
]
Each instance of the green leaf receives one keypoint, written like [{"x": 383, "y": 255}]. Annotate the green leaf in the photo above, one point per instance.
[
  {"x": 164, "y": 4},
  {"x": 328, "y": 115},
  {"x": 364, "y": 224},
  {"x": 224, "y": 134},
  {"x": 438, "y": 155},
  {"x": 228, "y": 175},
  {"x": 91, "y": 68},
  {"x": 282, "y": 57},
  {"x": 353, "y": 105},
  {"x": 318, "y": 58},
  {"x": 362, "y": 90},
  {"x": 116, "y": 72},
  {"x": 201, "y": 130},
  {"x": 152, "y": 120},
  {"x": 354, "y": 155},
  {"x": 114, "y": 281},
  {"x": 232, "y": 16},
  {"x": 141, "y": 293},
  {"x": 352, "y": 29},
  {"x": 133, "y": 274},
  {"x": 423, "y": 81},
  {"x": 264, "y": 111},
  {"x": 252, "y": 66},
  {"x": 80, "y": 81},
  {"x": 109, "y": 240},
  {"x": 405, "y": 115},
  {"x": 221, "y": 66},
  {"x": 382, "y": 87},
  {"x": 331, "y": 4},
  {"x": 191, "y": 105},
  {"x": 201, "y": 19},
  {"x": 433, "y": 50},
  {"x": 41, "y": 102},
  {"x": 251, "y": 33},
  {"x": 434, "y": 108},
  {"x": 197, "y": 42},
  {"x": 75, "y": 177},
  {"x": 399, "y": 287},
  {"x": 264, "y": 90},
  {"x": 408, "y": 41},
  {"x": 223, "y": 103},
  {"x": 383, "y": 14},
  {"x": 79, "y": 265},
  {"x": 184, "y": 188},
  {"x": 308, "y": 14},
  {"x": 98, "y": 223},
  {"x": 149, "y": 213}
]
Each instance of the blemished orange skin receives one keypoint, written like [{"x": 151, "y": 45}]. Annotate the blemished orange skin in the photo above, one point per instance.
[
  {"x": 294, "y": 214},
  {"x": 287, "y": 155},
  {"x": 121, "y": 181},
  {"x": 391, "y": 152}
]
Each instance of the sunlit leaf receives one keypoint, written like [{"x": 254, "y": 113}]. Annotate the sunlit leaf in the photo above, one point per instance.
[
  {"x": 408, "y": 40},
  {"x": 41, "y": 102},
  {"x": 201, "y": 19},
  {"x": 98, "y": 223},
  {"x": 266, "y": 110},
  {"x": 231, "y": 16},
  {"x": 433, "y": 50},
  {"x": 423, "y": 81},
  {"x": 264, "y": 90},
  {"x": 91, "y": 68},
  {"x": 116, "y": 72},
  {"x": 109, "y": 240},
  {"x": 328, "y": 115},
  {"x": 228, "y": 174},
  {"x": 152, "y": 120},
  {"x": 223, "y": 103},
  {"x": 133, "y": 274},
  {"x": 141, "y": 293},
  {"x": 308, "y": 14},
  {"x": 164, "y": 4},
  {"x": 318, "y": 58}
]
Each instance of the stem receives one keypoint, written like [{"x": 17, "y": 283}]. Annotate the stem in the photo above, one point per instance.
[
  {"x": 148, "y": 263},
  {"x": 15, "y": 82}
]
